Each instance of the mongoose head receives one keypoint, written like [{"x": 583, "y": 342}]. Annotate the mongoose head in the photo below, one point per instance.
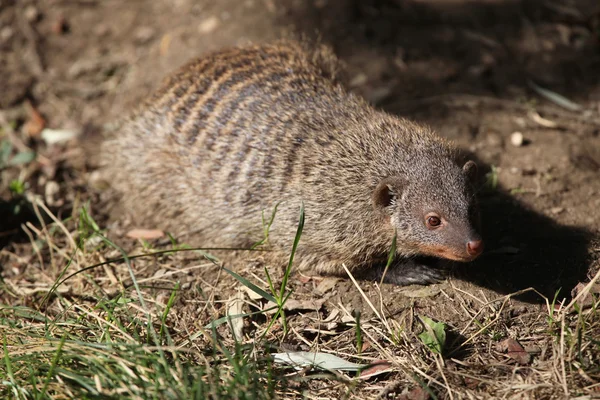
[{"x": 432, "y": 208}]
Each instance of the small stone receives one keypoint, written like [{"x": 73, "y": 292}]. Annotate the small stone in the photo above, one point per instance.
[
  {"x": 557, "y": 210},
  {"x": 51, "y": 192},
  {"x": 6, "y": 33},
  {"x": 144, "y": 34},
  {"x": 209, "y": 25},
  {"x": 32, "y": 14},
  {"x": 517, "y": 139},
  {"x": 359, "y": 80}
]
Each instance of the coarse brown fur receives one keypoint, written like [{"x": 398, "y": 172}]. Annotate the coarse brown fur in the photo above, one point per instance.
[{"x": 235, "y": 133}]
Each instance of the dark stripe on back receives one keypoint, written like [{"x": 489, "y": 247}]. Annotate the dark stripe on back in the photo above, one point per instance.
[{"x": 238, "y": 74}]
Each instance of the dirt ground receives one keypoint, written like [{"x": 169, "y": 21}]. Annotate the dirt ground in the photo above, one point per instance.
[{"x": 479, "y": 72}]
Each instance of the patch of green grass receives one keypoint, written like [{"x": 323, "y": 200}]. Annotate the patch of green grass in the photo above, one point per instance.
[
  {"x": 491, "y": 180},
  {"x": 110, "y": 357},
  {"x": 121, "y": 347},
  {"x": 279, "y": 295}
]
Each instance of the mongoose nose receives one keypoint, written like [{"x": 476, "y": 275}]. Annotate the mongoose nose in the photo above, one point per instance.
[{"x": 475, "y": 247}]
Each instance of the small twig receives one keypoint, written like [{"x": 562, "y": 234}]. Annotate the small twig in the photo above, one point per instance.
[
  {"x": 383, "y": 320},
  {"x": 36, "y": 65}
]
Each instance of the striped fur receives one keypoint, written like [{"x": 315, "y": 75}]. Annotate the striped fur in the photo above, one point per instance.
[{"x": 232, "y": 134}]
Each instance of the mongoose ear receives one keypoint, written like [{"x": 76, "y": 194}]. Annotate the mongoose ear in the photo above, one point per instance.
[
  {"x": 470, "y": 170},
  {"x": 386, "y": 192}
]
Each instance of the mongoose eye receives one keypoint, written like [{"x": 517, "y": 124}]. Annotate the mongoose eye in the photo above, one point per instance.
[{"x": 433, "y": 221}]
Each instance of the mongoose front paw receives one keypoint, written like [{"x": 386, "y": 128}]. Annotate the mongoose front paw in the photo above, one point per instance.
[{"x": 414, "y": 274}]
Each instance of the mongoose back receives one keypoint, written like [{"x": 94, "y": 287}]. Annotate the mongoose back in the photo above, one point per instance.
[{"x": 237, "y": 132}]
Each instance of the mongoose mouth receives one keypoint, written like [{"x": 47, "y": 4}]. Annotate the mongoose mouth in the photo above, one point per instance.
[{"x": 451, "y": 253}]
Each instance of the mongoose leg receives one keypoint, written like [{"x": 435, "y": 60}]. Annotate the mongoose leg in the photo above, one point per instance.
[{"x": 410, "y": 271}]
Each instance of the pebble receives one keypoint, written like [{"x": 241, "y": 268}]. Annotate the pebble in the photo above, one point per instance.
[
  {"x": 209, "y": 25},
  {"x": 517, "y": 139},
  {"x": 6, "y": 33},
  {"x": 358, "y": 80},
  {"x": 32, "y": 14},
  {"x": 51, "y": 192},
  {"x": 144, "y": 34}
]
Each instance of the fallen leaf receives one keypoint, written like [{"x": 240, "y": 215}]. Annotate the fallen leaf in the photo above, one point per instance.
[
  {"x": 587, "y": 299},
  {"x": 366, "y": 346},
  {"x": 147, "y": 234},
  {"x": 252, "y": 294},
  {"x": 417, "y": 393},
  {"x": 209, "y": 25},
  {"x": 304, "y": 279},
  {"x": 235, "y": 306},
  {"x": 24, "y": 157},
  {"x": 53, "y": 136},
  {"x": 377, "y": 368},
  {"x": 326, "y": 285},
  {"x": 324, "y": 361},
  {"x": 514, "y": 350},
  {"x": 433, "y": 335},
  {"x": 556, "y": 98},
  {"x": 36, "y": 122}
]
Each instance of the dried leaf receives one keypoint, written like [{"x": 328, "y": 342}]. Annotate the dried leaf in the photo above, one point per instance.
[
  {"x": 324, "y": 361},
  {"x": 377, "y": 368},
  {"x": 235, "y": 307},
  {"x": 418, "y": 393},
  {"x": 25, "y": 157},
  {"x": 147, "y": 234},
  {"x": 326, "y": 285},
  {"x": 555, "y": 98},
  {"x": 514, "y": 350},
  {"x": 53, "y": 136},
  {"x": 36, "y": 122},
  {"x": 586, "y": 299}
]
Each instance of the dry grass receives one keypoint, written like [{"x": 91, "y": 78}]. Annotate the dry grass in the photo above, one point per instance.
[{"x": 137, "y": 327}]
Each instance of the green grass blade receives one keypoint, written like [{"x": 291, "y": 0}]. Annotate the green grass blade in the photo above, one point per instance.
[
  {"x": 391, "y": 256},
  {"x": 288, "y": 270},
  {"x": 52, "y": 366},
  {"x": 226, "y": 318},
  {"x": 251, "y": 285}
]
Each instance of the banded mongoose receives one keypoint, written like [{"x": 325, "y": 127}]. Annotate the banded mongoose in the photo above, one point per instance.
[{"x": 238, "y": 131}]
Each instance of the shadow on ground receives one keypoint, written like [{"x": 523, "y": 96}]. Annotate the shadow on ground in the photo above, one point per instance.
[
  {"x": 526, "y": 249},
  {"x": 459, "y": 45}
]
